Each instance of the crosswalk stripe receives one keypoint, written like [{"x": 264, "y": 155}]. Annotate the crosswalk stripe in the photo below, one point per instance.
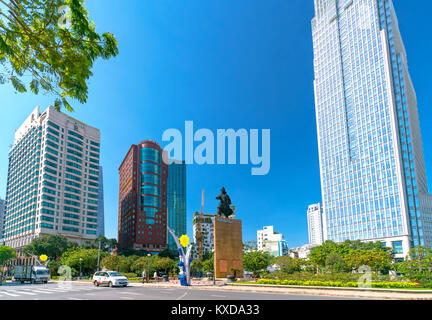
[
  {"x": 38, "y": 291},
  {"x": 10, "y": 294},
  {"x": 23, "y": 292}
]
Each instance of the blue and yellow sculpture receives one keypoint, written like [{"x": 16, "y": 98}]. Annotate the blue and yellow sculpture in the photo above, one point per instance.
[{"x": 185, "y": 259}]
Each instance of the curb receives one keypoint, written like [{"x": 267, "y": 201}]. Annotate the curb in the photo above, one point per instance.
[{"x": 332, "y": 288}]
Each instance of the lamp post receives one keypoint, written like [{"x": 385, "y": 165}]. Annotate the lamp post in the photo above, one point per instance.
[
  {"x": 80, "y": 260},
  {"x": 98, "y": 263},
  {"x": 214, "y": 269},
  {"x": 148, "y": 267}
]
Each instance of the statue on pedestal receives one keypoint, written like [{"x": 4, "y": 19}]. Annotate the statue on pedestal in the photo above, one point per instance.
[{"x": 224, "y": 208}]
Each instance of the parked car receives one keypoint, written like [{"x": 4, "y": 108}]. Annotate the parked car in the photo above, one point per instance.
[{"x": 110, "y": 278}]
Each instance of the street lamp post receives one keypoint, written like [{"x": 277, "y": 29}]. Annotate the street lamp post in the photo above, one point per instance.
[
  {"x": 80, "y": 267},
  {"x": 214, "y": 270},
  {"x": 148, "y": 267},
  {"x": 98, "y": 263}
]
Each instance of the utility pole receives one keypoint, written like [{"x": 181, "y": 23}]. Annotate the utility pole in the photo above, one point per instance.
[
  {"x": 199, "y": 236},
  {"x": 98, "y": 264}
]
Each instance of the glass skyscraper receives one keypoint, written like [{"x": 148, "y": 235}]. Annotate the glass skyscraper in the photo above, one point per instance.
[
  {"x": 176, "y": 201},
  {"x": 373, "y": 175}
]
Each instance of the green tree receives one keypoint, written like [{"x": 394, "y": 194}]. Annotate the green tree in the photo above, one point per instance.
[
  {"x": 52, "y": 245},
  {"x": 418, "y": 265},
  {"x": 208, "y": 265},
  {"x": 89, "y": 258},
  {"x": 250, "y": 246},
  {"x": 376, "y": 259},
  {"x": 164, "y": 264},
  {"x": 107, "y": 245},
  {"x": 6, "y": 254},
  {"x": 288, "y": 265},
  {"x": 336, "y": 263},
  {"x": 256, "y": 262},
  {"x": 56, "y": 57},
  {"x": 112, "y": 262}
]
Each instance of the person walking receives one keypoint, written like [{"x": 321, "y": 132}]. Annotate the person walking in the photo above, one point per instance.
[
  {"x": 144, "y": 276},
  {"x": 155, "y": 276}
]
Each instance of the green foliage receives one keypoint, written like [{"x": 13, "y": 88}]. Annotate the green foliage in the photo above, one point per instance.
[
  {"x": 6, "y": 254},
  {"x": 336, "y": 263},
  {"x": 338, "y": 284},
  {"x": 107, "y": 245},
  {"x": 287, "y": 265},
  {"x": 250, "y": 246},
  {"x": 52, "y": 56},
  {"x": 53, "y": 267},
  {"x": 89, "y": 258},
  {"x": 52, "y": 245},
  {"x": 377, "y": 260},
  {"x": 419, "y": 265},
  {"x": 256, "y": 262},
  {"x": 350, "y": 255},
  {"x": 208, "y": 265}
]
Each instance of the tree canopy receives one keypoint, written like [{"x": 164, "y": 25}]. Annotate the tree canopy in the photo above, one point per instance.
[
  {"x": 6, "y": 253},
  {"x": 256, "y": 262},
  {"x": 52, "y": 245},
  {"x": 54, "y": 45}
]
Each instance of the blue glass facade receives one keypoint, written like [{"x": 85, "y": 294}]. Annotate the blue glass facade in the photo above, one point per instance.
[
  {"x": 371, "y": 158},
  {"x": 176, "y": 201}
]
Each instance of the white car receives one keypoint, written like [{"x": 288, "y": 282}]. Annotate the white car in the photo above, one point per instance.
[{"x": 110, "y": 278}]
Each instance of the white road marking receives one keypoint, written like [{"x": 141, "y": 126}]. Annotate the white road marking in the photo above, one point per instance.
[
  {"x": 182, "y": 296},
  {"x": 132, "y": 293},
  {"x": 217, "y": 296},
  {"x": 11, "y": 294},
  {"x": 76, "y": 299},
  {"x": 23, "y": 292}
]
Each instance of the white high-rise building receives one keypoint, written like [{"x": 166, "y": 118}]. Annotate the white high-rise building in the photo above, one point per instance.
[
  {"x": 268, "y": 240},
  {"x": 373, "y": 177},
  {"x": 315, "y": 224},
  {"x": 53, "y": 179},
  {"x": 2, "y": 217}
]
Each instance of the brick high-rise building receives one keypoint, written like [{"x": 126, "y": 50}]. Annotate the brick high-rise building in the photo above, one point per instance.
[{"x": 142, "y": 223}]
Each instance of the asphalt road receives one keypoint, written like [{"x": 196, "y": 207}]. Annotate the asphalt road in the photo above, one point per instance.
[{"x": 76, "y": 291}]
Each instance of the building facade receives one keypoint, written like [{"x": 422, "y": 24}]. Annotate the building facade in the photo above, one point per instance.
[
  {"x": 142, "y": 218},
  {"x": 207, "y": 233},
  {"x": 272, "y": 242},
  {"x": 315, "y": 224},
  {"x": 53, "y": 179},
  {"x": 176, "y": 201},
  {"x": 2, "y": 219},
  {"x": 100, "y": 232},
  {"x": 372, "y": 167}
]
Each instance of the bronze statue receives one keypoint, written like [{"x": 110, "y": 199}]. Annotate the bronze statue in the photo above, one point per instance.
[{"x": 224, "y": 205}]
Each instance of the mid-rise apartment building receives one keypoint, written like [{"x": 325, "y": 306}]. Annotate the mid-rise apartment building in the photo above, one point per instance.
[{"x": 272, "y": 242}]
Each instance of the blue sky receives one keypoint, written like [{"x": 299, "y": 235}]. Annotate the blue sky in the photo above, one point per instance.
[{"x": 222, "y": 64}]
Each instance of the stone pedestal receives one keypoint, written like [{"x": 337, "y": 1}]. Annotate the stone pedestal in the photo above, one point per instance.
[{"x": 228, "y": 245}]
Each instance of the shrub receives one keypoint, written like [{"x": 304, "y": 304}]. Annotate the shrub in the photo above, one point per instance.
[{"x": 339, "y": 284}]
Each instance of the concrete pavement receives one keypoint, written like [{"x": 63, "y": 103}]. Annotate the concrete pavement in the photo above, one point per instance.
[{"x": 86, "y": 291}]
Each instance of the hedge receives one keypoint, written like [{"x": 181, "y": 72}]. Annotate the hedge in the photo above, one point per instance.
[{"x": 339, "y": 284}]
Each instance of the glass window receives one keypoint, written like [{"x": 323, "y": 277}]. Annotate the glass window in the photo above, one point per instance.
[
  {"x": 150, "y": 167},
  {"x": 397, "y": 247},
  {"x": 150, "y": 154}
]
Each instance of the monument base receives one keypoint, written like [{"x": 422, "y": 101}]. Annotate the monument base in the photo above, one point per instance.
[{"x": 228, "y": 243}]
